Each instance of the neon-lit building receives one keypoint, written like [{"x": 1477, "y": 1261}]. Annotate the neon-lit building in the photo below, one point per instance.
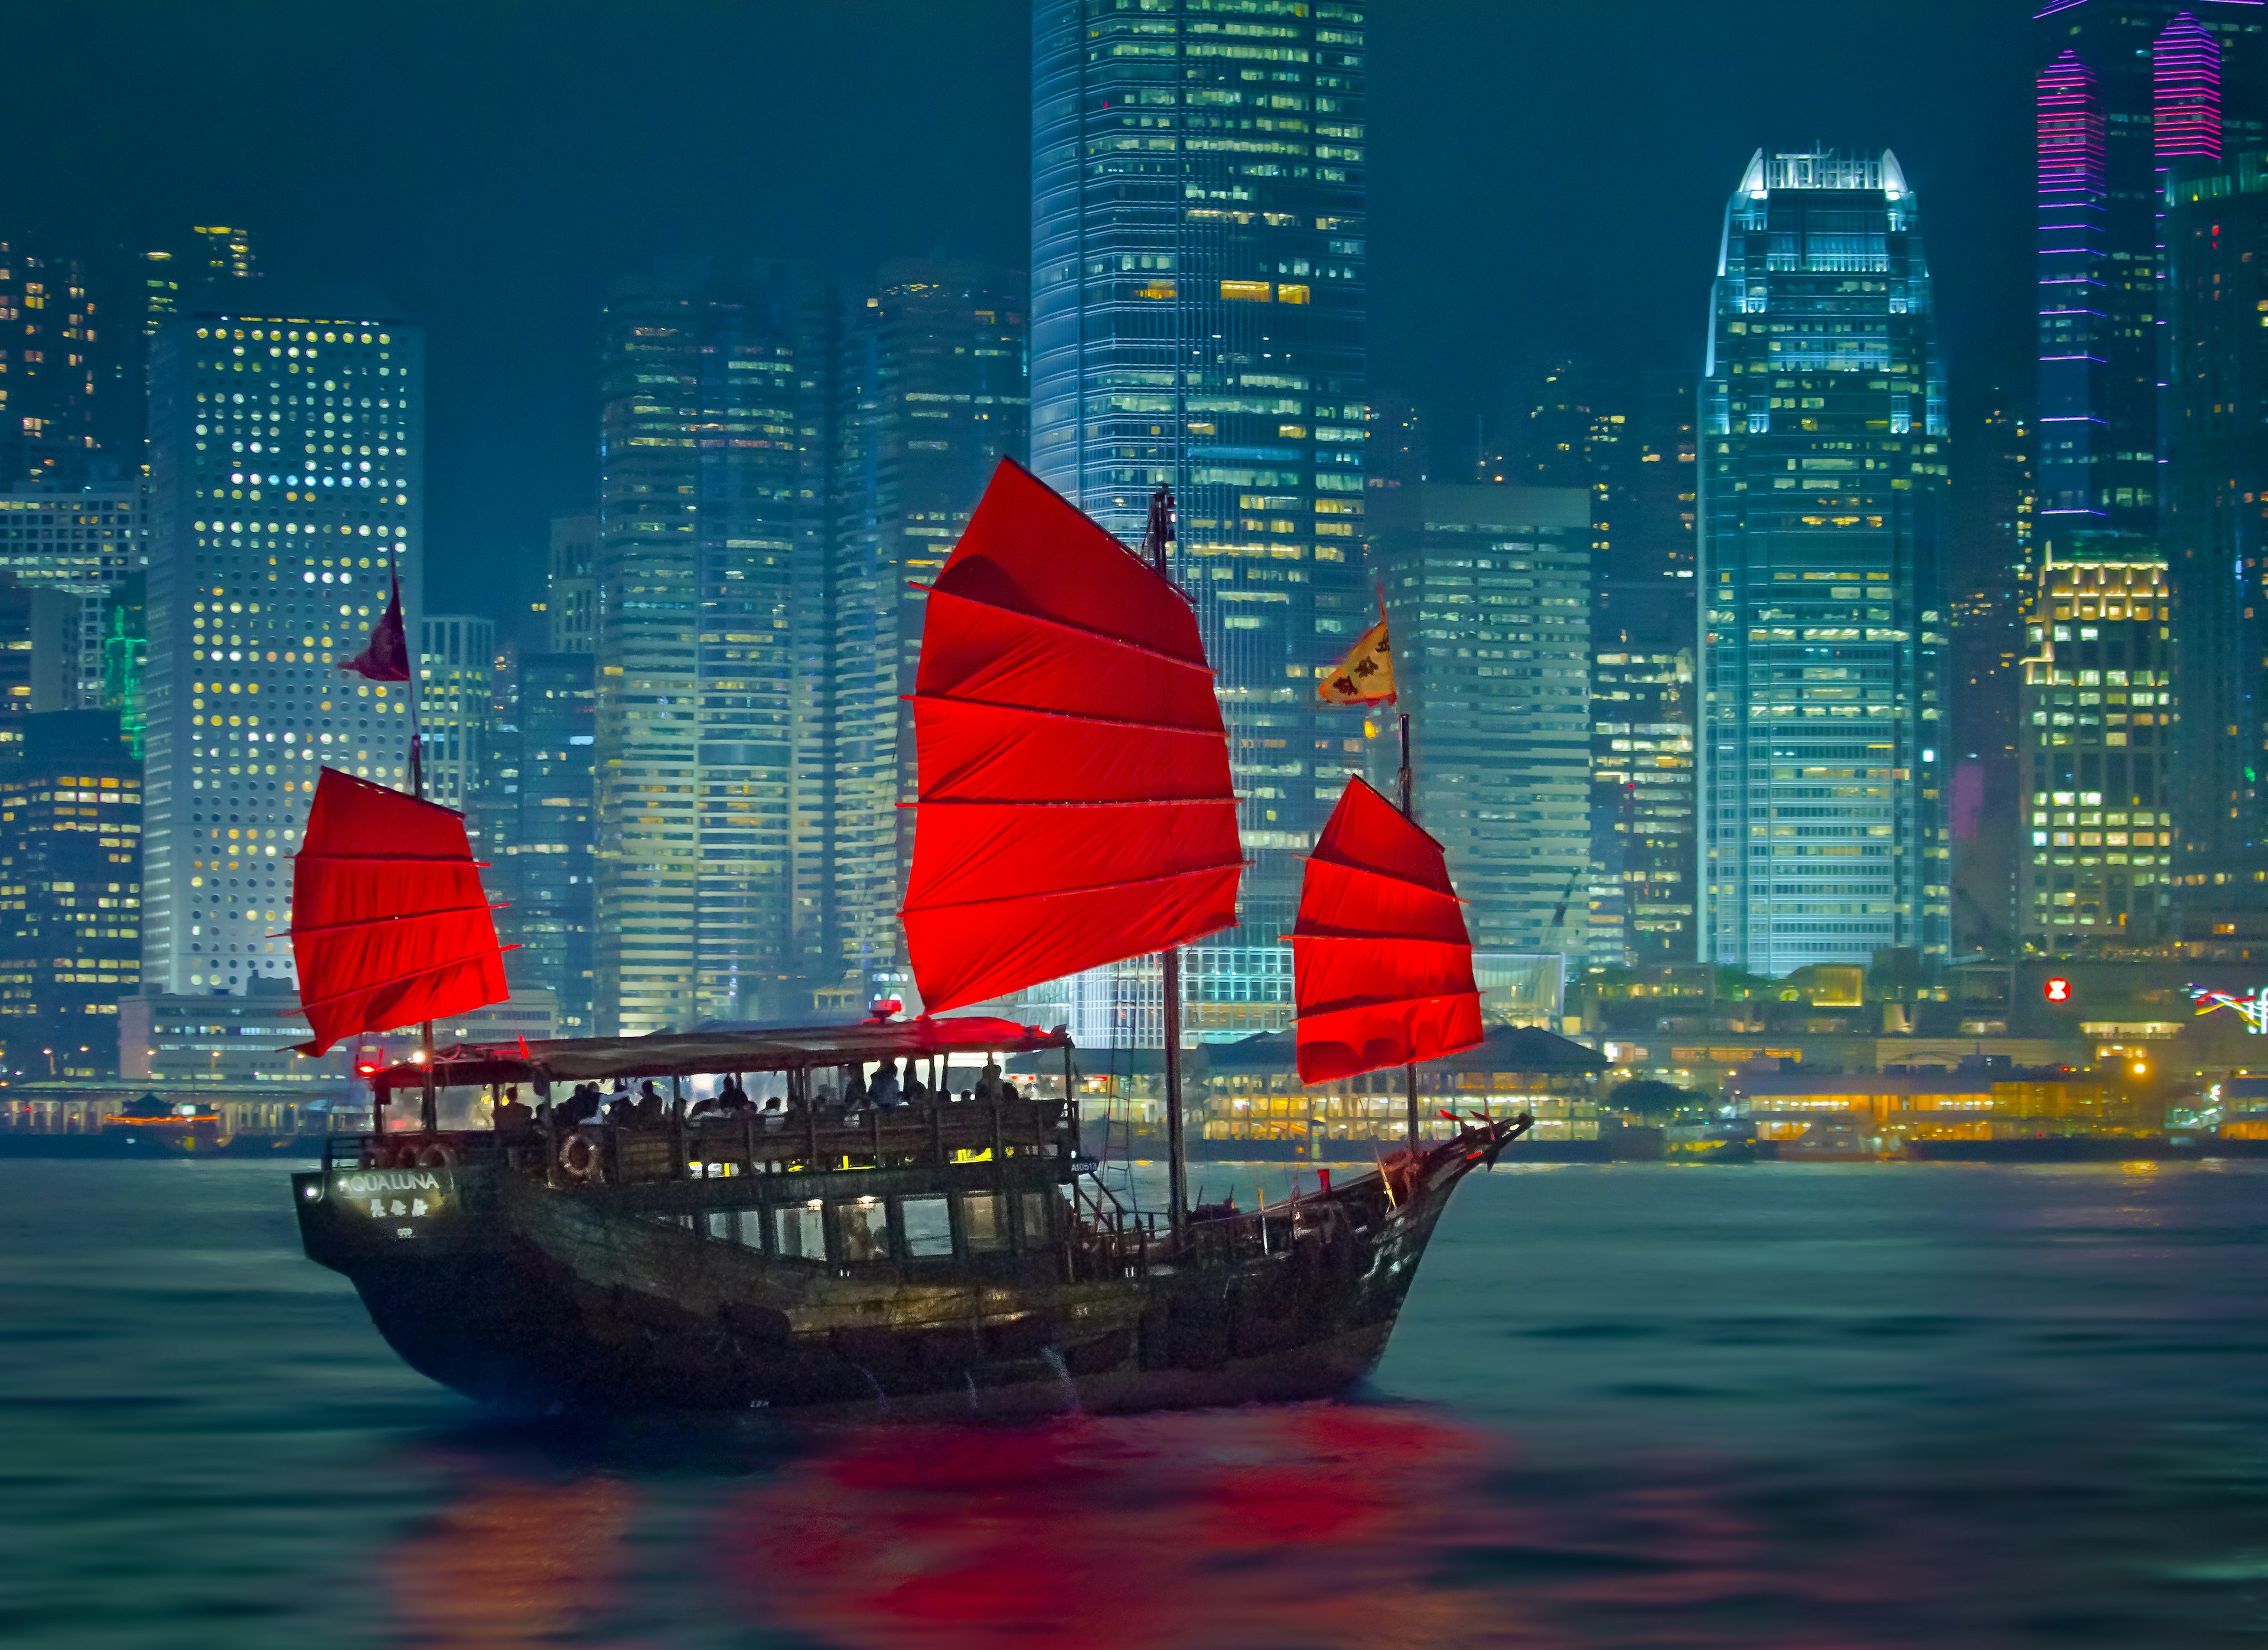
[
  {"x": 1823, "y": 464},
  {"x": 1198, "y": 320},
  {"x": 2126, "y": 89},
  {"x": 2097, "y": 722}
]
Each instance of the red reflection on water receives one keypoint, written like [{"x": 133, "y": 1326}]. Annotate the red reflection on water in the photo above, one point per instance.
[
  {"x": 514, "y": 1561},
  {"x": 1318, "y": 1525}
]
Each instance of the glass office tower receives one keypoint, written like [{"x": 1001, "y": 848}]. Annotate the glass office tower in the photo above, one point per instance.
[
  {"x": 287, "y": 434},
  {"x": 1823, "y": 485},
  {"x": 1197, "y": 320}
]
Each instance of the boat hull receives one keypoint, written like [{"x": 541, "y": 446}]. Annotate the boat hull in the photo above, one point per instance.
[{"x": 538, "y": 1299}]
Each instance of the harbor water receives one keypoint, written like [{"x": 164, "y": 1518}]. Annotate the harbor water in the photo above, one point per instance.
[{"x": 1722, "y": 1405}]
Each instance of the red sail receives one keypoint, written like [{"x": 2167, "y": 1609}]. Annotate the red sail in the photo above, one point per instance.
[
  {"x": 1381, "y": 963},
  {"x": 390, "y": 925},
  {"x": 1075, "y": 802}
]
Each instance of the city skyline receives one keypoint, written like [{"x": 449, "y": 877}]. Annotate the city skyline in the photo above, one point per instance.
[{"x": 542, "y": 204}]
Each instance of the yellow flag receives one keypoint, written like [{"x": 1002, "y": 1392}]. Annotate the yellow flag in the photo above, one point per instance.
[{"x": 1365, "y": 676}]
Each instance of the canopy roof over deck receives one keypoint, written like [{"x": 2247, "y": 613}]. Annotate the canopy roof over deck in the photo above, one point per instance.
[{"x": 725, "y": 1048}]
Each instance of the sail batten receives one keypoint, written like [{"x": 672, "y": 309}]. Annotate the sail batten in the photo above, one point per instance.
[
  {"x": 1074, "y": 806},
  {"x": 390, "y": 923},
  {"x": 1381, "y": 960}
]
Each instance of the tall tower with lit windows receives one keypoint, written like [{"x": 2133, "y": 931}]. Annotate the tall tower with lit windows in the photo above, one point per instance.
[
  {"x": 1198, "y": 321},
  {"x": 287, "y": 434},
  {"x": 1824, "y": 471}
]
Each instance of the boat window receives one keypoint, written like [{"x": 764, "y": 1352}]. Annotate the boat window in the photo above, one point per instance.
[
  {"x": 720, "y": 1225},
  {"x": 797, "y": 1233},
  {"x": 743, "y": 1226},
  {"x": 983, "y": 1222},
  {"x": 862, "y": 1230},
  {"x": 927, "y": 1227},
  {"x": 1036, "y": 1232}
]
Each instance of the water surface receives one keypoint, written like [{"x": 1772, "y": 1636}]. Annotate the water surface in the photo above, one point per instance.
[{"x": 1766, "y": 1405}]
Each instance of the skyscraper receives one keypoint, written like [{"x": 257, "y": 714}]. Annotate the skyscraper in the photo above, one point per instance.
[
  {"x": 551, "y": 850},
  {"x": 2216, "y": 509},
  {"x": 51, "y": 417},
  {"x": 2096, "y": 723},
  {"x": 570, "y": 596},
  {"x": 1198, "y": 320},
  {"x": 708, "y": 891},
  {"x": 456, "y": 685},
  {"x": 1489, "y": 592},
  {"x": 2125, "y": 88},
  {"x": 286, "y": 443},
  {"x": 931, "y": 395},
  {"x": 1823, "y": 480},
  {"x": 70, "y": 887}
]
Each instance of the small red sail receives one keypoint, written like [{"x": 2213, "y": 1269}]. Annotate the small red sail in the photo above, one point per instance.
[
  {"x": 1075, "y": 801},
  {"x": 1381, "y": 961},
  {"x": 390, "y": 925}
]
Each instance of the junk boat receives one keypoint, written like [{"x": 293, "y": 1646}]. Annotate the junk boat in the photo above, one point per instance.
[{"x": 935, "y": 1255}]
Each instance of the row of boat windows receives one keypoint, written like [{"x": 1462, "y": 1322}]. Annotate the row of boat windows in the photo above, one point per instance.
[{"x": 859, "y": 1230}]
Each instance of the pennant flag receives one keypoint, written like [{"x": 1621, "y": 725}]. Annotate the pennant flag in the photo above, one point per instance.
[
  {"x": 1365, "y": 676},
  {"x": 386, "y": 659}
]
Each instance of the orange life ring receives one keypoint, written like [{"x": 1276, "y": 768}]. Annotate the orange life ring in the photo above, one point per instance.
[
  {"x": 578, "y": 1157},
  {"x": 434, "y": 1155}
]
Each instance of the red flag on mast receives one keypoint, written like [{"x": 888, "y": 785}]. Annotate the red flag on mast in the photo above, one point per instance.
[
  {"x": 1075, "y": 801},
  {"x": 386, "y": 659},
  {"x": 1381, "y": 960},
  {"x": 390, "y": 924}
]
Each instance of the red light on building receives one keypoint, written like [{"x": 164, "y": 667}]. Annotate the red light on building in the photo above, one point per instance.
[{"x": 2058, "y": 990}]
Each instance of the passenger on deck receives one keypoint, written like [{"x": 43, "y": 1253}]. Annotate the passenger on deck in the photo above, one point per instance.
[
  {"x": 622, "y": 1111},
  {"x": 854, "y": 1091},
  {"x": 734, "y": 1098},
  {"x": 988, "y": 1082},
  {"x": 579, "y": 1107},
  {"x": 885, "y": 1093},
  {"x": 775, "y": 1113},
  {"x": 512, "y": 1118},
  {"x": 652, "y": 1110},
  {"x": 914, "y": 1089}
]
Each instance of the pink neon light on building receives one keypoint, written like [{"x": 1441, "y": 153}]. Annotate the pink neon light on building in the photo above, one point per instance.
[
  {"x": 2185, "y": 75},
  {"x": 2070, "y": 135}
]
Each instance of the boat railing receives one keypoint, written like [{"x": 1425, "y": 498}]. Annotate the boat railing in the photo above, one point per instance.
[{"x": 749, "y": 1142}]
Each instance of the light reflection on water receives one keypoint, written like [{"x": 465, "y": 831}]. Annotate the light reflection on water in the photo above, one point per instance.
[{"x": 1769, "y": 1406}]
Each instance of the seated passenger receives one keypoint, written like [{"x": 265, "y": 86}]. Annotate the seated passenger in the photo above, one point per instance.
[
  {"x": 623, "y": 1113},
  {"x": 885, "y": 1094},
  {"x": 652, "y": 1111},
  {"x": 987, "y": 1081},
  {"x": 512, "y": 1117},
  {"x": 579, "y": 1107}
]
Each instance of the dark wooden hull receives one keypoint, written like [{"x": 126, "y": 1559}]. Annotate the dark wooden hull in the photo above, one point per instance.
[{"x": 540, "y": 1297}]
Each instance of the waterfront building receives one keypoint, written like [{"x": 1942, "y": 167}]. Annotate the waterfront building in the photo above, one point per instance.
[
  {"x": 52, "y": 386},
  {"x": 1488, "y": 592},
  {"x": 1642, "y": 770},
  {"x": 931, "y": 395},
  {"x": 550, "y": 850},
  {"x": 86, "y": 542},
  {"x": 70, "y": 892},
  {"x": 1198, "y": 261},
  {"x": 456, "y": 692},
  {"x": 707, "y": 891},
  {"x": 286, "y": 436},
  {"x": 571, "y": 592},
  {"x": 1823, "y": 466},
  {"x": 2216, "y": 229},
  {"x": 2097, "y": 720}
]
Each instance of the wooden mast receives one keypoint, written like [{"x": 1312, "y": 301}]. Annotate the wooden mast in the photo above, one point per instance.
[
  {"x": 429, "y": 1110},
  {"x": 1409, "y": 813},
  {"x": 1156, "y": 543}
]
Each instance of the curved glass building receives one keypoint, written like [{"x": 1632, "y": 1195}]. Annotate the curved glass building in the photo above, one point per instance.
[
  {"x": 1197, "y": 312},
  {"x": 1823, "y": 497}
]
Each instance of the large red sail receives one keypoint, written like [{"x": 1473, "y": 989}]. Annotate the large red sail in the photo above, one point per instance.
[
  {"x": 1075, "y": 801},
  {"x": 389, "y": 925},
  {"x": 1381, "y": 960}
]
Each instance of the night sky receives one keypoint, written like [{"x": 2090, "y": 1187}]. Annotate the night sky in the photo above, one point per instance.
[{"x": 1544, "y": 177}]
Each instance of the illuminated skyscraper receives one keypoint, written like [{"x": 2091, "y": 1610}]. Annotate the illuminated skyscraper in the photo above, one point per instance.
[
  {"x": 1823, "y": 470},
  {"x": 456, "y": 666},
  {"x": 706, "y": 385},
  {"x": 1198, "y": 320},
  {"x": 2097, "y": 720},
  {"x": 2126, "y": 89},
  {"x": 571, "y": 596},
  {"x": 286, "y": 441},
  {"x": 931, "y": 395}
]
